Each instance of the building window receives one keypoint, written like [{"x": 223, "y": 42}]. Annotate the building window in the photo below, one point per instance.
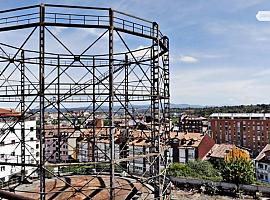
[
  {"x": 31, "y": 139},
  {"x": 191, "y": 154},
  {"x": 260, "y": 166},
  {"x": 2, "y": 168},
  {"x": 13, "y": 153}
]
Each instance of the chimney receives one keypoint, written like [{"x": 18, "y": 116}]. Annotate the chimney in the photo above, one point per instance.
[{"x": 99, "y": 123}]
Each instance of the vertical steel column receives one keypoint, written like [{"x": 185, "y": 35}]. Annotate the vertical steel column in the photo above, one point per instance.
[
  {"x": 125, "y": 135},
  {"x": 94, "y": 113},
  {"x": 166, "y": 88},
  {"x": 166, "y": 112},
  {"x": 59, "y": 136},
  {"x": 155, "y": 109},
  {"x": 41, "y": 95},
  {"x": 111, "y": 115},
  {"x": 126, "y": 90},
  {"x": 22, "y": 117}
]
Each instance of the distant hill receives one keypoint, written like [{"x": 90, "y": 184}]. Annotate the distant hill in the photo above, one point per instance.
[
  {"x": 206, "y": 111},
  {"x": 186, "y": 106}
]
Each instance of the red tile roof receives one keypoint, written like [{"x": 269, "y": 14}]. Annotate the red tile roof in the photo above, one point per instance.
[
  {"x": 219, "y": 150},
  {"x": 4, "y": 112}
]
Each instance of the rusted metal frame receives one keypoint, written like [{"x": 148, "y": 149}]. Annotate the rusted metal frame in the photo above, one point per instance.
[
  {"x": 94, "y": 110},
  {"x": 12, "y": 196},
  {"x": 63, "y": 45},
  {"x": 92, "y": 44},
  {"x": 99, "y": 81},
  {"x": 78, "y": 7},
  {"x": 42, "y": 102},
  {"x": 155, "y": 111},
  {"x": 127, "y": 74},
  {"x": 129, "y": 51},
  {"x": 19, "y": 49},
  {"x": 111, "y": 100},
  {"x": 58, "y": 112},
  {"x": 70, "y": 185},
  {"x": 17, "y": 66},
  {"x": 22, "y": 120}
]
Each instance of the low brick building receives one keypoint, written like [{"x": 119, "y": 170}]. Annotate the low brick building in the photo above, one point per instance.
[{"x": 189, "y": 146}]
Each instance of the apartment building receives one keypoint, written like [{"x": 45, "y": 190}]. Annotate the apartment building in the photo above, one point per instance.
[
  {"x": 192, "y": 124},
  {"x": 60, "y": 144},
  {"x": 250, "y": 131},
  {"x": 10, "y": 148}
]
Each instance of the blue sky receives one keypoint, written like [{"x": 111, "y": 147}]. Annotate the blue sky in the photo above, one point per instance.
[{"x": 220, "y": 53}]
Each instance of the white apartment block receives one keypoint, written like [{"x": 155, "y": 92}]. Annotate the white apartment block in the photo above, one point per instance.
[{"x": 10, "y": 148}]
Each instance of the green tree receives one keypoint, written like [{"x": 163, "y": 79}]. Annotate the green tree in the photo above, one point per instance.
[
  {"x": 54, "y": 122},
  {"x": 195, "y": 169},
  {"x": 179, "y": 169},
  {"x": 239, "y": 171},
  {"x": 202, "y": 169}
]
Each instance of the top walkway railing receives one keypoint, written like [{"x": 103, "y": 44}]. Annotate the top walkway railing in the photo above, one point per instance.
[{"x": 76, "y": 16}]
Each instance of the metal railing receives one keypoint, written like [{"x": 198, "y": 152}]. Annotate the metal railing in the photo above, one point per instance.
[
  {"x": 10, "y": 182},
  {"x": 96, "y": 17}
]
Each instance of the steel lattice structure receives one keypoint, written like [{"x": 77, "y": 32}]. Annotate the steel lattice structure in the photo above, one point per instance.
[{"x": 37, "y": 78}]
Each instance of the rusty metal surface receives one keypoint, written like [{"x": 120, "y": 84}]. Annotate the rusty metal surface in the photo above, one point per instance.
[{"x": 84, "y": 187}]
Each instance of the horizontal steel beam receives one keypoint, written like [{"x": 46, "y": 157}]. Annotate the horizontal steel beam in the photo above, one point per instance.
[{"x": 12, "y": 196}]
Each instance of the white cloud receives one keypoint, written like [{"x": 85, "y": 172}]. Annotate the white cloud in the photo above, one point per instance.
[
  {"x": 188, "y": 59},
  {"x": 219, "y": 86},
  {"x": 141, "y": 51},
  {"x": 57, "y": 30},
  {"x": 263, "y": 16}
]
